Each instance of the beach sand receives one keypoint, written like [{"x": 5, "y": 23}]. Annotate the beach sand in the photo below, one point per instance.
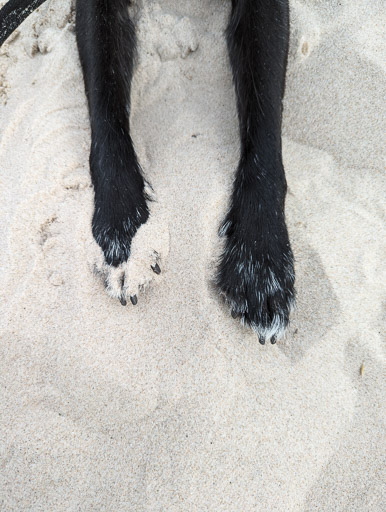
[{"x": 172, "y": 405}]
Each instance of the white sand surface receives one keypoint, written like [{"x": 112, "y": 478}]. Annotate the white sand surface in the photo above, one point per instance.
[{"x": 171, "y": 405}]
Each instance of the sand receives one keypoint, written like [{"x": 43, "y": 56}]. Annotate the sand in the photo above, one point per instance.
[{"x": 172, "y": 405}]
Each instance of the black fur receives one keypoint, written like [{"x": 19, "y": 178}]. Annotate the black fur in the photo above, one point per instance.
[
  {"x": 106, "y": 42},
  {"x": 256, "y": 270}
]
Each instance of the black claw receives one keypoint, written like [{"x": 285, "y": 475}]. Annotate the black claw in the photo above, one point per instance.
[
  {"x": 273, "y": 340},
  {"x": 262, "y": 340},
  {"x": 156, "y": 268},
  {"x": 123, "y": 301},
  {"x": 134, "y": 300},
  {"x": 234, "y": 314}
]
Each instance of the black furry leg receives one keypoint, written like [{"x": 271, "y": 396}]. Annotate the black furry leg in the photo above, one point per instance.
[
  {"x": 256, "y": 271},
  {"x": 106, "y": 42}
]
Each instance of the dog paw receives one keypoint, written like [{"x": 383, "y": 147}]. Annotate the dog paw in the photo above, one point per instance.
[
  {"x": 143, "y": 261},
  {"x": 257, "y": 282}
]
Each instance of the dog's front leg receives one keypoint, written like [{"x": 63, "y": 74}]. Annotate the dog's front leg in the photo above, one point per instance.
[
  {"x": 256, "y": 272},
  {"x": 106, "y": 43}
]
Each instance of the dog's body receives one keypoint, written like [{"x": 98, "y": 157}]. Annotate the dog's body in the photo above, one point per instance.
[{"x": 256, "y": 271}]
